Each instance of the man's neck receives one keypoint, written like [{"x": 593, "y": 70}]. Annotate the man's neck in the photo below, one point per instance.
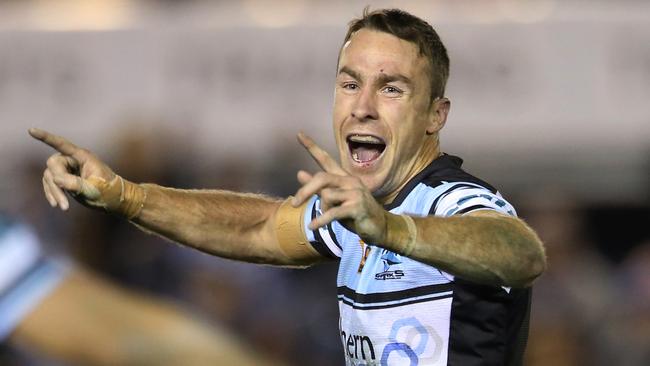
[{"x": 430, "y": 153}]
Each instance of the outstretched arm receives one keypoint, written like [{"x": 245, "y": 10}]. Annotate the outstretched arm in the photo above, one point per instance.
[
  {"x": 483, "y": 246},
  {"x": 228, "y": 224},
  {"x": 89, "y": 321}
]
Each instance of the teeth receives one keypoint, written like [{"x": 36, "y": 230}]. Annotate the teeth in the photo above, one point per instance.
[
  {"x": 365, "y": 139},
  {"x": 355, "y": 156}
]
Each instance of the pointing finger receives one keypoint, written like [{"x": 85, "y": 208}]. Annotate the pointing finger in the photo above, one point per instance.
[
  {"x": 303, "y": 178},
  {"x": 60, "y": 144},
  {"x": 314, "y": 185},
  {"x": 321, "y": 156}
]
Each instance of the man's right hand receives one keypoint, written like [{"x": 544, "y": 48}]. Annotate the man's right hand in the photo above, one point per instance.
[{"x": 79, "y": 172}]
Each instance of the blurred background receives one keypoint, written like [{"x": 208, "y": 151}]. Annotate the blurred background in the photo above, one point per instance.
[{"x": 550, "y": 103}]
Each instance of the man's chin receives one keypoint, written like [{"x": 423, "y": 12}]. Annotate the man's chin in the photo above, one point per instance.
[{"x": 371, "y": 178}]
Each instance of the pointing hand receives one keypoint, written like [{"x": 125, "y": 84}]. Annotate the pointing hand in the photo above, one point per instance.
[
  {"x": 80, "y": 173},
  {"x": 343, "y": 197}
]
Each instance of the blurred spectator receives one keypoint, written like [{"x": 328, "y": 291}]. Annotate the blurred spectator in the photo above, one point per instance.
[
  {"x": 578, "y": 296},
  {"x": 629, "y": 330}
]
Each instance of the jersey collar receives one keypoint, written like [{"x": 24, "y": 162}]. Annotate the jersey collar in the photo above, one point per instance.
[{"x": 444, "y": 161}]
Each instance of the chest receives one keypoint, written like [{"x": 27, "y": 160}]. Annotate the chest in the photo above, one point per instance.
[{"x": 370, "y": 269}]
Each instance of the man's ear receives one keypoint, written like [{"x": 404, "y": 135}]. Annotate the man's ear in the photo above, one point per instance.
[{"x": 438, "y": 115}]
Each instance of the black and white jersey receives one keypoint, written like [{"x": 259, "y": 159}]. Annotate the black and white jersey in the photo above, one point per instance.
[
  {"x": 26, "y": 276},
  {"x": 398, "y": 311}
]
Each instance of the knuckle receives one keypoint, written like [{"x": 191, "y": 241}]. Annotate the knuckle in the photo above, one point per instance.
[
  {"x": 321, "y": 177},
  {"x": 326, "y": 194},
  {"x": 54, "y": 160},
  {"x": 51, "y": 160},
  {"x": 351, "y": 182},
  {"x": 327, "y": 217}
]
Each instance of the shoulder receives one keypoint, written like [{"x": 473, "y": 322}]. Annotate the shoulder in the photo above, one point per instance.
[
  {"x": 457, "y": 192},
  {"x": 449, "y": 170}
]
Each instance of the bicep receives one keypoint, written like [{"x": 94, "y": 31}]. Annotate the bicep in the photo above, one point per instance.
[
  {"x": 520, "y": 237},
  {"x": 486, "y": 212},
  {"x": 500, "y": 216},
  {"x": 517, "y": 223}
]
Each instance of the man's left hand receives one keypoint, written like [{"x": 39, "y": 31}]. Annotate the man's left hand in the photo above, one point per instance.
[{"x": 343, "y": 197}]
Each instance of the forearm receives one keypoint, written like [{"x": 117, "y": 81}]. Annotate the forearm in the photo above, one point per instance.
[
  {"x": 89, "y": 321},
  {"x": 226, "y": 224},
  {"x": 496, "y": 250}
]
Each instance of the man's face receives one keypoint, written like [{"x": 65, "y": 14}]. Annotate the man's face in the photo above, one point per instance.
[{"x": 384, "y": 122}]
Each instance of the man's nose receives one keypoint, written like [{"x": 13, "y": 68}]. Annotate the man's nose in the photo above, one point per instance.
[{"x": 365, "y": 107}]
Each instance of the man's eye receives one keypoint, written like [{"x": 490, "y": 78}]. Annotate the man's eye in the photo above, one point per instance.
[
  {"x": 392, "y": 90},
  {"x": 350, "y": 86}
]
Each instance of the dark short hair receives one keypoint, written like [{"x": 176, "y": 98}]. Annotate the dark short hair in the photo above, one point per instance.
[{"x": 415, "y": 30}]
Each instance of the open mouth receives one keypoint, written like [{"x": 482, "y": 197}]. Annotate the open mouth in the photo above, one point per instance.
[{"x": 365, "y": 148}]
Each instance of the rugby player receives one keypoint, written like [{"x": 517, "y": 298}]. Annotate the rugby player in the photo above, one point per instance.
[
  {"x": 53, "y": 308},
  {"x": 435, "y": 267}
]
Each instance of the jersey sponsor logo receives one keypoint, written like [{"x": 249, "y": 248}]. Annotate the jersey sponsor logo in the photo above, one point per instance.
[
  {"x": 390, "y": 259},
  {"x": 389, "y": 275},
  {"x": 358, "y": 348},
  {"x": 411, "y": 340}
]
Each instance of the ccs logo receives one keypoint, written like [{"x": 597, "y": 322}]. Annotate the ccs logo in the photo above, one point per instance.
[
  {"x": 390, "y": 259},
  {"x": 403, "y": 336}
]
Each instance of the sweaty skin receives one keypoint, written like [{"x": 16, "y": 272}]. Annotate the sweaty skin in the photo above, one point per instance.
[{"x": 381, "y": 95}]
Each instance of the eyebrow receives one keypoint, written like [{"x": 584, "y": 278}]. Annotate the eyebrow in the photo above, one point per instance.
[
  {"x": 382, "y": 79},
  {"x": 387, "y": 78},
  {"x": 349, "y": 71}
]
